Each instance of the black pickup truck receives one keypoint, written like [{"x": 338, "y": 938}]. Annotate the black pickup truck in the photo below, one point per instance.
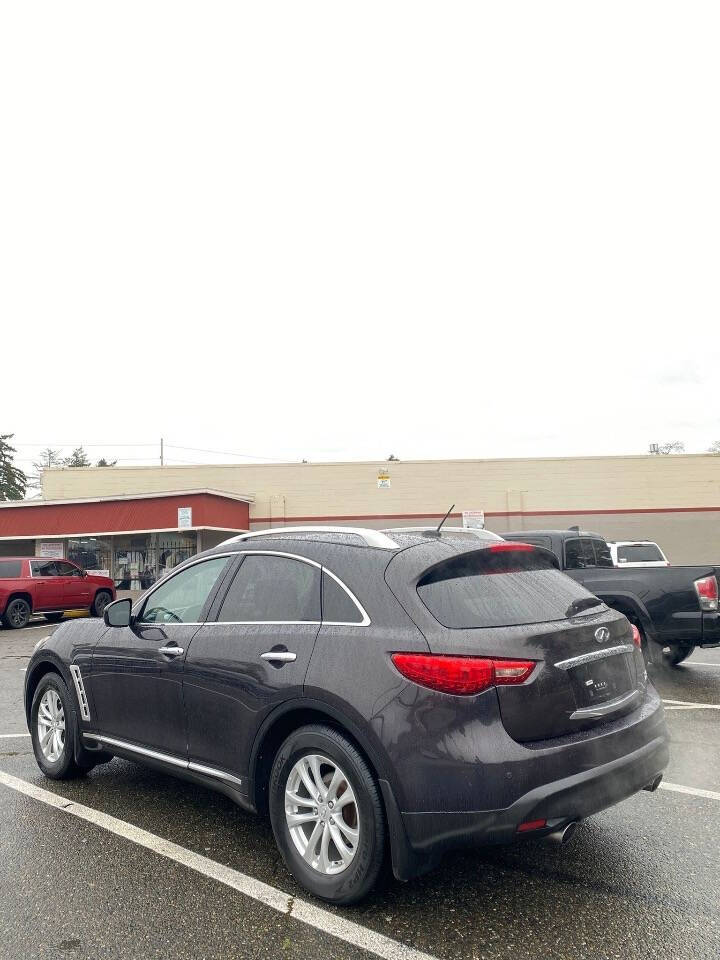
[{"x": 675, "y": 608}]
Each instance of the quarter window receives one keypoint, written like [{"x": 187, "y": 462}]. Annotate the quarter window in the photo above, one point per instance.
[
  {"x": 272, "y": 589},
  {"x": 181, "y": 599},
  {"x": 337, "y": 607},
  {"x": 10, "y": 569}
]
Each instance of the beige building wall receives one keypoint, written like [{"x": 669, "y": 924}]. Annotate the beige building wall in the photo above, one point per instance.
[{"x": 672, "y": 499}]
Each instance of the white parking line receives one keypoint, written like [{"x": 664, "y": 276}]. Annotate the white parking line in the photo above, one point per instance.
[
  {"x": 693, "y": 791},
  {"x": 12, "y": 736},
  {"x": 308, "y": 913},
  {"x": 699, "y": 663},
  {"x": 690, "y": 705}
]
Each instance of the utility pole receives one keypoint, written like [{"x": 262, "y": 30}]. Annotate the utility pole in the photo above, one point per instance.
[{"x": 162, "y": 452}]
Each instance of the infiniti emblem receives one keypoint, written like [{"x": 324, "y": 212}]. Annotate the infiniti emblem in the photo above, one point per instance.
[{"x": 602, "y": 634}]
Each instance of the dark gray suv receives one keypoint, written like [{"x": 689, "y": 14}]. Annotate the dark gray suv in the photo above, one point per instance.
[{"x": 375, "y": 692}]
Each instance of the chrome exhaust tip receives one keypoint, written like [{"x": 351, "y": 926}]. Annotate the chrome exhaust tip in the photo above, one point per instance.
[
  {"x": 563, "y": 836},
  {"x": 654, "y": 784}
]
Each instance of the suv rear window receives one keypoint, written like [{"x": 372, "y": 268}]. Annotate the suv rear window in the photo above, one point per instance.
[
  {"x": 486, "y": 589},
  {"x": 640, "y": 553},
  {"x": 10, "y": 569}
]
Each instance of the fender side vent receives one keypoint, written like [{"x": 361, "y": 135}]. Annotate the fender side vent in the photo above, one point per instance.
[{"x": 80, "y": 689}]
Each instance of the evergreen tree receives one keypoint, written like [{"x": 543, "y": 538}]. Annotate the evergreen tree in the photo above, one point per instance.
[
  {"x": 77, "y": 458},
  {"x": 13, "y": 481}
]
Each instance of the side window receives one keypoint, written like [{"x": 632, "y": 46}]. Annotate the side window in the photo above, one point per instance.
[
  {"x": 181, "y": 598},
  {"x": 337, "y": 607},
  {"x": 44, "y": 568},
  {"x": 65, "y": 569},
  {"x": 272, "y": 589}
]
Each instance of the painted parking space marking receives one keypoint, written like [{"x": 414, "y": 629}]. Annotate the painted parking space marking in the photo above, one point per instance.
[
  {"x": 12, "y": 736},
  {"x": 691, "y": 791},
  {"x": 690, "y": 705},
  {"x": 700, "y": 663},
  {"x": 307, "y": 913}
]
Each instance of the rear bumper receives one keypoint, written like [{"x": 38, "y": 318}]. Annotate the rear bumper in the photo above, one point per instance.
[{"x": 588, "y": 787}]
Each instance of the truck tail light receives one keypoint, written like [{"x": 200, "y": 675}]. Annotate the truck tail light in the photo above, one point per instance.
[
  {"x": 637, "y": 639},
  {"x": 463, "y": 676},
  {"x": 707, "y": 591}
]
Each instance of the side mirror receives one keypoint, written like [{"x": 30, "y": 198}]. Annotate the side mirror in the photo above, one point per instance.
[
  {"x": 83, "y": 573},
  {"x": 118, "y": 613}
]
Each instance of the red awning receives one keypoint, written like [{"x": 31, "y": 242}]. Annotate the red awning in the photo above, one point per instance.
[{"x": 135, "y": 514}]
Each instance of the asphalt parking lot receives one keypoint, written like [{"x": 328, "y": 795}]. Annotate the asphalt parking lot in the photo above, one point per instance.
[{"x": 131, "y": 863}]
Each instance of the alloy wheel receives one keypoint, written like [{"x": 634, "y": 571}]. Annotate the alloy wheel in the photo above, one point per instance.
[
  {"x": 18, "y": 614},
  {"x": 51, "y": 726},
  {"x": 322, "y": 814}
]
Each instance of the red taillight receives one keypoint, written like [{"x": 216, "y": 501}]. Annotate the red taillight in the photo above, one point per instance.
[
  {"x": 509, "y": 545},
  {"x": 463, "y": 676},
  {"x": 707, "y": 591},
  {"x": 531, "y": 825},
  {"x": 637, "y": 639}
]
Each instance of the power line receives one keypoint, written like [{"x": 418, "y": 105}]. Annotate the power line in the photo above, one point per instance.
[{"x": 228, "y": 453}]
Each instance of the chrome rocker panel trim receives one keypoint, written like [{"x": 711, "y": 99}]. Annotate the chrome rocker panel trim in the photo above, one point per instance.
[{"x": 165, "y": 758}]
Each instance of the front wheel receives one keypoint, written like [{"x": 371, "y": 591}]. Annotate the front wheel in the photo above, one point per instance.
[
  {"x": 675, "y": 653},
  {"x": 17, "y": 614},
  {"x": 327, "y": 815},
  {"x": 102, "y": 599},
  {"x": 53, "y": 728}
]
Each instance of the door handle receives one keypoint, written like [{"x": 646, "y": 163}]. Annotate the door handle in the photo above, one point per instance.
[
  {"x": 171, "y": 651},
  {"x": 279, "y": 656}
]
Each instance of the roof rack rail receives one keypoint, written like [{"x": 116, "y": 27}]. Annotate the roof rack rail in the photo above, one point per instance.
[{"x": 372, "y": 538}]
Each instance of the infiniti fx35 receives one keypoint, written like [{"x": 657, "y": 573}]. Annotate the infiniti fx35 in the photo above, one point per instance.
[{"x": 378, "y": 694}]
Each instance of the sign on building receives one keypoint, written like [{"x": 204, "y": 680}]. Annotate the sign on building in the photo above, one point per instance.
[
  {"x": 184, "y": 518},
  {"x": 383, "y": 480},
  {"x": 50, "y": 548},
  {"x": 473, "y": 519}
]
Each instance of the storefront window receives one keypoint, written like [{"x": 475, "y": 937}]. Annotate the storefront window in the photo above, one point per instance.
[
  {"x": 90, "y": 553},
  {"x": 141, "y": 560}
]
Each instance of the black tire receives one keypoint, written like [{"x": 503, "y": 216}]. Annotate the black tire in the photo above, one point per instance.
[
  {"x": 17, "y": 614},
  {"x": 357, "y": 879},
  {"x": 675, "y": 653},
  {"x": 64, "y": 766},
  {"x": 54, "y": 617},
  {"x": 102, "y": 599}
]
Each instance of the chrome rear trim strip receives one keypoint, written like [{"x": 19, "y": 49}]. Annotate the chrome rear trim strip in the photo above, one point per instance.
[
  {"x": 164, "y": 757},
  {"x": 603, "y": 709},
  {"x": 594, "y": 655}
]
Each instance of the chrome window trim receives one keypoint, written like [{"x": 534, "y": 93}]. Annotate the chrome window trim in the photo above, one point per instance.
[
  {"x": 164, "y": 757},
  {"x": 80, "y": 690},
  {"x": 372, "y": 538},
  {"x": 594, "y": 655},
  {"x": 364, "y": 622}
]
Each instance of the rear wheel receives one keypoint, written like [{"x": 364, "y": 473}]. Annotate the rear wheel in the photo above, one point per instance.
[
  {"x": 17, "y": 614},
  {"x": 53, "y": 727},
  {"x": 327, "y": 815},
  {"x": 675, "y": 653},
  {"x": 54, "y": 617},
  {"x": 102, "y": 599}
]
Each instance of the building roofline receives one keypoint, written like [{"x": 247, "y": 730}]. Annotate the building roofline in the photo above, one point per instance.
[{"x": 132, "y": 496}]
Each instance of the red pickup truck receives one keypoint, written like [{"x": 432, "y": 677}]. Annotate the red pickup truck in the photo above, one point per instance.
[{"x": 35, "y": 585}]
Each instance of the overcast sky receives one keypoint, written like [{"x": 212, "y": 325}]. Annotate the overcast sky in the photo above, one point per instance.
[{"x": 340, "y": 231}]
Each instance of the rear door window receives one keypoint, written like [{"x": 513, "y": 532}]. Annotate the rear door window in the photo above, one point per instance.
[
  {"x": 269, "y": 589},
  {"x": 482, "y": 589},
  {"x": 43, "y": 568},
  {"x": 603, "y": 557},
  {"x": 10, "y": 569}
]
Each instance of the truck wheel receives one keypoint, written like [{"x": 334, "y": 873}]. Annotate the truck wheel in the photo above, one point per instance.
[
  {"x": 17, "y": 614},
  {"x": 102, "y": 599},
  {"x": 675, "y": 653}
]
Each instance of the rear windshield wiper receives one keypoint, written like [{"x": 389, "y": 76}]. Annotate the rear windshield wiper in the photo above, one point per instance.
[{"x": 577, "y": 606}]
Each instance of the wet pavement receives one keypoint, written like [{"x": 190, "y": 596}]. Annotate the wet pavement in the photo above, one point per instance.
[{"x": 640, "y": 880}]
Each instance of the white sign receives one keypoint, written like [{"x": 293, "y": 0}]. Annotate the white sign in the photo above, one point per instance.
[
  {"x": 98, "y": 573},
  {"x": 47, "y": 548},
  {"x": 383, "y": 480},
  {"x": 184, "y": 517},
  {"x": 473, "y": 519}
]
